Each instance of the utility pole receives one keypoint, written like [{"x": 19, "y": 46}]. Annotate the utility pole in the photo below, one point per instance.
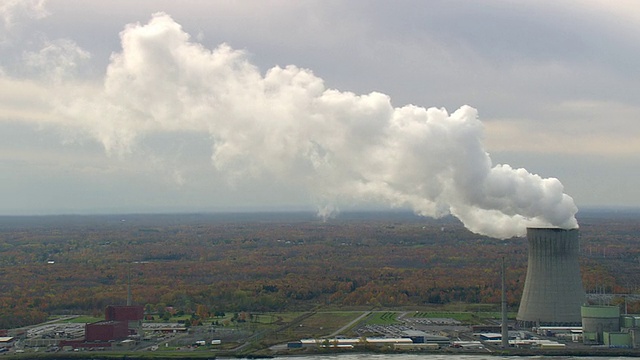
[{"x": 129, "y": 285}]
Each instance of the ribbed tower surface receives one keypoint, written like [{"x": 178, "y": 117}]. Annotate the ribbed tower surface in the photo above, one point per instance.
[{"x": 553, "y": 291}]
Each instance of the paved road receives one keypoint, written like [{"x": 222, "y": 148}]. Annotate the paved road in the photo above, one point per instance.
[{"x": 350, "y": 324}]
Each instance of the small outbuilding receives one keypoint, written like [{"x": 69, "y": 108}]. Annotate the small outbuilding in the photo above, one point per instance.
[{"x": 6, "y": 341}]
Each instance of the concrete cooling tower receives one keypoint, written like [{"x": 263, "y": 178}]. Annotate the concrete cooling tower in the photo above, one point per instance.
[{"x": 553, "y": 292}]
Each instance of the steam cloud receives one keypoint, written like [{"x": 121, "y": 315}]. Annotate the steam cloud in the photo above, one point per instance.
[{"x": 286, "y": 124}]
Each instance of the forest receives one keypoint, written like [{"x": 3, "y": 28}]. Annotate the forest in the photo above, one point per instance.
[{"x": 206, "y": 264}]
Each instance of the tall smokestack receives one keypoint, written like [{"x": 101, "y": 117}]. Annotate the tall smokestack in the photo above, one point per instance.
[
  {"x": 553, "y": 291},
  {"x": 504, "y": 328}
]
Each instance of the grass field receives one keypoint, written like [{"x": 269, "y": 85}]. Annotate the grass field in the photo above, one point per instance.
[
  {"x": 383, "y": 318},
  {"x": 323, "y": 323}
]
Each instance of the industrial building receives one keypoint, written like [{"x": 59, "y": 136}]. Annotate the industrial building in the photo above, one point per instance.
[
  {"x": 121, "y": 322},
  {"x": 603, "y": 325},
  {"x": 421, "y": 337},
  {"x": 6, "y": 341},
  {"x": 554, "y": 298},
  {"x": 124, "y": 313},
  {"x": 132, "y": 315},
  {"x": 106, "y": 331},
  {"x": 553, "y": 293},
  {"x": 597, "y": 320}
]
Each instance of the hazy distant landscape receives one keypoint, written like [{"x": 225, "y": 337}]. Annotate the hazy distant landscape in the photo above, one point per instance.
[{"x": 203, "y": 264}]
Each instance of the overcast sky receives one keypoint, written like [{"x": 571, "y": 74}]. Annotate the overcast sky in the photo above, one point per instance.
[{"x": 161, "y": 106}]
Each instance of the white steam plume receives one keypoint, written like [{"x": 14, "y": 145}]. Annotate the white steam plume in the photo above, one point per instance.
[{"x": 286, "y": 124}]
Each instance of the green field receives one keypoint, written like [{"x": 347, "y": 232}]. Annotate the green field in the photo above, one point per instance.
[{"x": 383, "y": 318}]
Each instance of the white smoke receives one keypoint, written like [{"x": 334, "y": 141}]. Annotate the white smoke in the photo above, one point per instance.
[{"x": 287, "y": 125}]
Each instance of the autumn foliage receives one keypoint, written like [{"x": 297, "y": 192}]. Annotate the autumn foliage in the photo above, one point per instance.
[{"x": 208, "y": 264}]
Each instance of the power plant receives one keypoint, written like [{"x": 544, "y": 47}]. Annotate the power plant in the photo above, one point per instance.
[{"x": 553, "y": 293}]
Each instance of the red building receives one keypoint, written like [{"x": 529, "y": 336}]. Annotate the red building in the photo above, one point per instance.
[
  {"x": 130, "y": 315},
  {"x": 124, "y": 313},
  {"x": 106, "y": 331}
]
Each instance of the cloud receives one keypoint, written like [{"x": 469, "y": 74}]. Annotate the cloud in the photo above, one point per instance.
[
  {"x": 588, "y": 128},
  {"x": 57, "y": 60},
  {"x": 287, "y": 126},
  {"x": 14, "y": 12}
]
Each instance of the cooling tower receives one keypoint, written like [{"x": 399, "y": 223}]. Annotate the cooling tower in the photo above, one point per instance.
[{"x": 553, "y": 292}]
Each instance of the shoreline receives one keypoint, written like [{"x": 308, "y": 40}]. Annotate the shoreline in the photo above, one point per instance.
[{"x": 608, "y": 352}]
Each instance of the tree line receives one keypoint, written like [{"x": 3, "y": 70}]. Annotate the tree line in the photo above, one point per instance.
[{"x": 204, "y": 265}]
